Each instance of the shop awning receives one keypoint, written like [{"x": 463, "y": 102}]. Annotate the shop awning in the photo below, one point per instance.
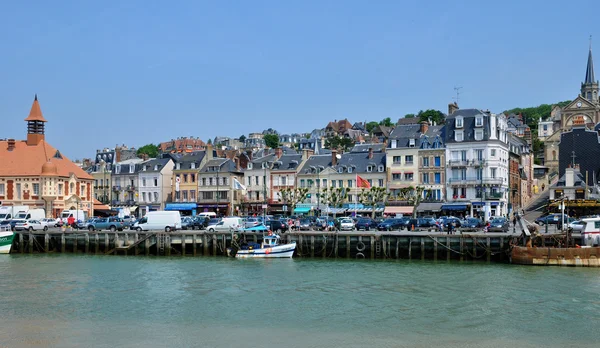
[
  {"x": 180, "y": 206},
  {"x": 454, "y": 207},
  {"x": 301, "y": 210},
  {"x": 405, "y": 209},
  {"x": 428, "y": 206},
  {"x": 478, "y": 204}
]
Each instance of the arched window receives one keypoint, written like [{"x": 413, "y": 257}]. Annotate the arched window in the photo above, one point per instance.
[{"x": 554, "y": 155}]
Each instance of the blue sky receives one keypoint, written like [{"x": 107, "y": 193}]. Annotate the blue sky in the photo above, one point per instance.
[{"x": 135, "y": 72}]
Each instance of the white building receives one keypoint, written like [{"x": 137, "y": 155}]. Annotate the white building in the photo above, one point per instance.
[
  {"x": 154, "y": 184},
  {"x": 477, "y": 164}
]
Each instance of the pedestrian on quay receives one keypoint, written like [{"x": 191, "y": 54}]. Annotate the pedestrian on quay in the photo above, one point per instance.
[{"x": 71, "y": 221}]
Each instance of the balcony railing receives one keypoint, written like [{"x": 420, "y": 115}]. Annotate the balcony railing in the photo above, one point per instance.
[
  {"x": 494, "y": 195},
  {"x": 463, "y": 182},
  {"x": 458, "y": 163},
  {"x": 116, "y": 188},
  {"x": 131, "y": 188}
]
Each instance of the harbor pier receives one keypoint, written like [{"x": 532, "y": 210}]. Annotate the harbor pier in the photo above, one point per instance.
[{"x": 411, "y": 245}]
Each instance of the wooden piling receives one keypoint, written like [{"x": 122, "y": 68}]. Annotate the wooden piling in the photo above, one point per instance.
[
  {"x": 312, "y": 246},
  {"x": 21, "y": 246},
  {"x": 87, "y": 243},
  {"x": 409, "y": 248},
  {"x": 397, "y": 247},
  {"x": 147, "y": 245},
  {"x": 488, "y": 251},
  {"x": 347, "y": 247},
  {"x": 46, "y": 242},
  {"x": 448, "y": 249},
  {"x": 214, "y": 241},
  {"x": 372, "y": 247},
  {"x": 474, "y": 240},
  {"x": 300, "y": 245},
  {"x": 204, "y": 244},
  {"x": 183, "y": 244},
  {"x": 462, "y": 248},
  {"x": 106, "y": 242},
  {"x": 422, "y": 248},
  {"x": 135, "y": 242},
  {"x": 62, "y": 242},
  {"x": 96, "y": 243},
  {"x": 194, "y": 244},
  {"x": 435, "y": 248}
]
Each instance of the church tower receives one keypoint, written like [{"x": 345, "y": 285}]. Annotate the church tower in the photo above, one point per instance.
[
  {"x": 35, "y": 124},
  {"x": 589, "y": 88}
]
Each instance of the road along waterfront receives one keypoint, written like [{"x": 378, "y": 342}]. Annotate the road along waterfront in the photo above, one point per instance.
[{"x": 63, "y": 300}]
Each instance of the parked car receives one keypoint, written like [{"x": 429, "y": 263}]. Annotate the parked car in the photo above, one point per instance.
[
  {"x": 499, "y": 224},
  {"x": 346, "y": 225},
  {"x": 30, "y": 225},
  {"x": 50, "y": 222},
  {"x": 472, "y": 223},
  {"x": 551, "y": 219},
  {"x": 305, "y": 225},
  {"x": 85, "y": 224},
  {"x": 577, "y": 225},
  {"x": 276, "y": 225},
  {"x": 391, "y": 224},
  {"x": 187, "y": 223},
  {"x": 14, "y": 222},
  {"x": 366, "y": 224},
  {"x": 109, "y": 223},
  {"x": 251, "y": 222},
  {"x": 451, "y": 219}
]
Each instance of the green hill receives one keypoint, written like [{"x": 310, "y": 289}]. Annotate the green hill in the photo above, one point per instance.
[{"x": 532, "y": 115}]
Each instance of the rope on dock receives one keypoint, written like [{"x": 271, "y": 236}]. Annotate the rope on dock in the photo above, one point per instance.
[{"x": 447, "y": 247}]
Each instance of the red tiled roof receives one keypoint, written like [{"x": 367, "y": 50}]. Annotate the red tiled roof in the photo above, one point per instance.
[
  {"x": 36, "y": 112},
  {"x": 28, "y": 160}
]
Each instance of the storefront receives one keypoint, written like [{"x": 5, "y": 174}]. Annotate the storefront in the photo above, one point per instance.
[
  {"x": 221, "y": 209},
  {"x": 457, "y": 209},
  {"x": 144, "y": 209},
  {"x": 400, "y": 210},
  {"x": 186, "y": 209}
]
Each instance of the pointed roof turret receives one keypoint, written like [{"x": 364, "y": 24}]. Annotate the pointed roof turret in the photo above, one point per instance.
[
  {"x": 589, "y": 72},
  {"x": 36, "y": 112}
]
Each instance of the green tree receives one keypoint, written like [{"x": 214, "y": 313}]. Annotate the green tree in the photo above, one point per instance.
[
  {"x": 292, "y": 196},
  {"x": 209, "y": 141},
  {"x": 242, "y": 138},
  {"x": 433, "y": 115},
  {"x": 531, "y": 115},
  {"x": 409, "y": 116},
  {"x": 371, "y": 125},
  {"x": 339, "y": 143},
  {"x": 412, "y": 195},
  {"x": 333, "y": 197},
  {"x": 386, "y": 122},
  {"x": 150, "y": 150},
  {"x": 373, "y": 197},
  {"x": 271, "y": 140}
]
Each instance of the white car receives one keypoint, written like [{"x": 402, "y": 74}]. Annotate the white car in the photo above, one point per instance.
[
  {"x": 50, "y": 222},
  {"x": 346, "y": 225},
  {"x": 31, "y": 225},
  {"x": 577, "y": 225}
]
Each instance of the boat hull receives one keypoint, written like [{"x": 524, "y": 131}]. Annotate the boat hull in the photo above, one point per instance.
[
  {"x": 574, "y": 257},
  {"x": 279, "y": 251},
  {"x": 6, "y": 239}
]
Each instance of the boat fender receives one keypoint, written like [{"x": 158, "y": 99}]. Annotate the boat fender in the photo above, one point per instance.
[
  {"x": 360, "y": 246},
  {"x": 360, "y": 255}
]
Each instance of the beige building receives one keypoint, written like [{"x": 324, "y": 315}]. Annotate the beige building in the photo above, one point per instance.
[{"x": 34, "y": 173}]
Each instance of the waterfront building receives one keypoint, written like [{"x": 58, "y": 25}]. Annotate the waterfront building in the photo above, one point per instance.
[
  {"x": 257, "y": 179},
  {"x": 184, "y": 189},
  {"x": 339, "y": 171},
  {"x": 283, "y": 176},
  {"x": 403, "y": 157},
  {"x": 125, "y": 178},
  {"x": 432, "y": 169},
  {"x": 477, "y": 163},
  {"x": 581, "y": 145},
  {"x": 216, "y": 192},
  {"x": 155, "y": 184},
  {"x": 34, "y": 173}
]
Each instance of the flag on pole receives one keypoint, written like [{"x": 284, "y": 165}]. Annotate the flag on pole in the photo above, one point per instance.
[
  {"x": 238, "y": 185},
  {"x": 360, "y": 182}
]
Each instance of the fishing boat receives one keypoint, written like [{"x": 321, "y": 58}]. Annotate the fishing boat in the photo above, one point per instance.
[
  {"x": 269, "y": 248},
  {"x": 6, "y": 239},
  {"x": 565, "y": 253}
]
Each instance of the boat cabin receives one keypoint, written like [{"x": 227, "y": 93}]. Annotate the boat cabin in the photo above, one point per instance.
[
  {"x": 590, "y": 235},
  {"x": 270, "y": 241}
]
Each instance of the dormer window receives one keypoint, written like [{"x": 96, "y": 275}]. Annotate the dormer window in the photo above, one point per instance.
[
  {"x": 118, "y": 169},
  {"x": 479, "y": 134},
  {"x": 340, "y": 170},
  {"x": 394, "y": 144},
  {"x": 264, "y": 165},
  {"x": 156, "y": 167},
  {"x": 193, "y": 165},
  {"x": 459, "y": 122},
  {"x": 349, "y": 169},
  {"x": 411, "y": 143},
  {"x": 145, "y": 167},
  {"x": 369, "y": 169},
  {"x": 459, "y": 136},
  {"x": 479, "y": 121},
  {"x": 249, "y": 165},
  {"x": 178, "y": 166},
  {"x": 380, "y": 168},
  {"x": 131, "y": 169}
]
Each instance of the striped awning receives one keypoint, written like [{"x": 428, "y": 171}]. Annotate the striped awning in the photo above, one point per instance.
[
  {"x": 337, "y": 210},
  {"x": 406, "y": 209}
]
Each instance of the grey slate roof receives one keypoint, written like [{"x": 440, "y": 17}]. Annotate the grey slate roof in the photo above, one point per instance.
[
  {"x": 225, "y": 166},
  {"x": 579, "y": 180},
  {"x": 379, "y": 147},
  {"x": 187, "y": 159},
  {"x": 150, "y": 164},
  {"x": 469, "y": 116},
  {"x": 357, "y": 161},
  {"x": 287, "y": 162},
  {"x": 403, "y": 133}
]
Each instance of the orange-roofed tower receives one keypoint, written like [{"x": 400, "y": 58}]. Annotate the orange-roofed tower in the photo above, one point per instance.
[{"x": 35, "y": 124}]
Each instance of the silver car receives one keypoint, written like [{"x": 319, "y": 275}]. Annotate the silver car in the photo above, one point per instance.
[{"x": 577, "y": 225}]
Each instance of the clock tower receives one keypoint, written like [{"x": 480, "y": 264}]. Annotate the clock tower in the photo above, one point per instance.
[{"x": 589, "y": 88}]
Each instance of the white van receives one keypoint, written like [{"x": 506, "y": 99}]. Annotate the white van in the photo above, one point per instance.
[
  {"x": 159, "y": 220},
  {"x": 227, "y": 224},
  {"x": 209, "y": 214},
  {"x": 78, "y": 215},
  {"x": 31, "y": 214}
]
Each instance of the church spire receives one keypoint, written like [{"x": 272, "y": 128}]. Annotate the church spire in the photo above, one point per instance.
[
  {"x": 589, "y": 73},
  {"x": 589, "y": 88}
]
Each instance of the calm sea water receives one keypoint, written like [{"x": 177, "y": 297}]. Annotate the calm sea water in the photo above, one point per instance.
[{"x": 96, "y": 301}]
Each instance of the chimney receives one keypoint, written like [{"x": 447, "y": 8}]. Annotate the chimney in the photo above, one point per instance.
[
  {"x": 333, "y": 158},
  {"x": 278, "y": 152},
  {"x": 306, "y": 153},
  {"x": 370, "y": 152},
  {"x": 249, "y": 154},
  {"x": 570, "y": 177},
  {"x": 452, "y": 107},
  {"x": 11, "y": 144},
  {"x": 209, "y": 152},
  {"x": 424, "y": 127},
  {"x": 237, "y": 163}
]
